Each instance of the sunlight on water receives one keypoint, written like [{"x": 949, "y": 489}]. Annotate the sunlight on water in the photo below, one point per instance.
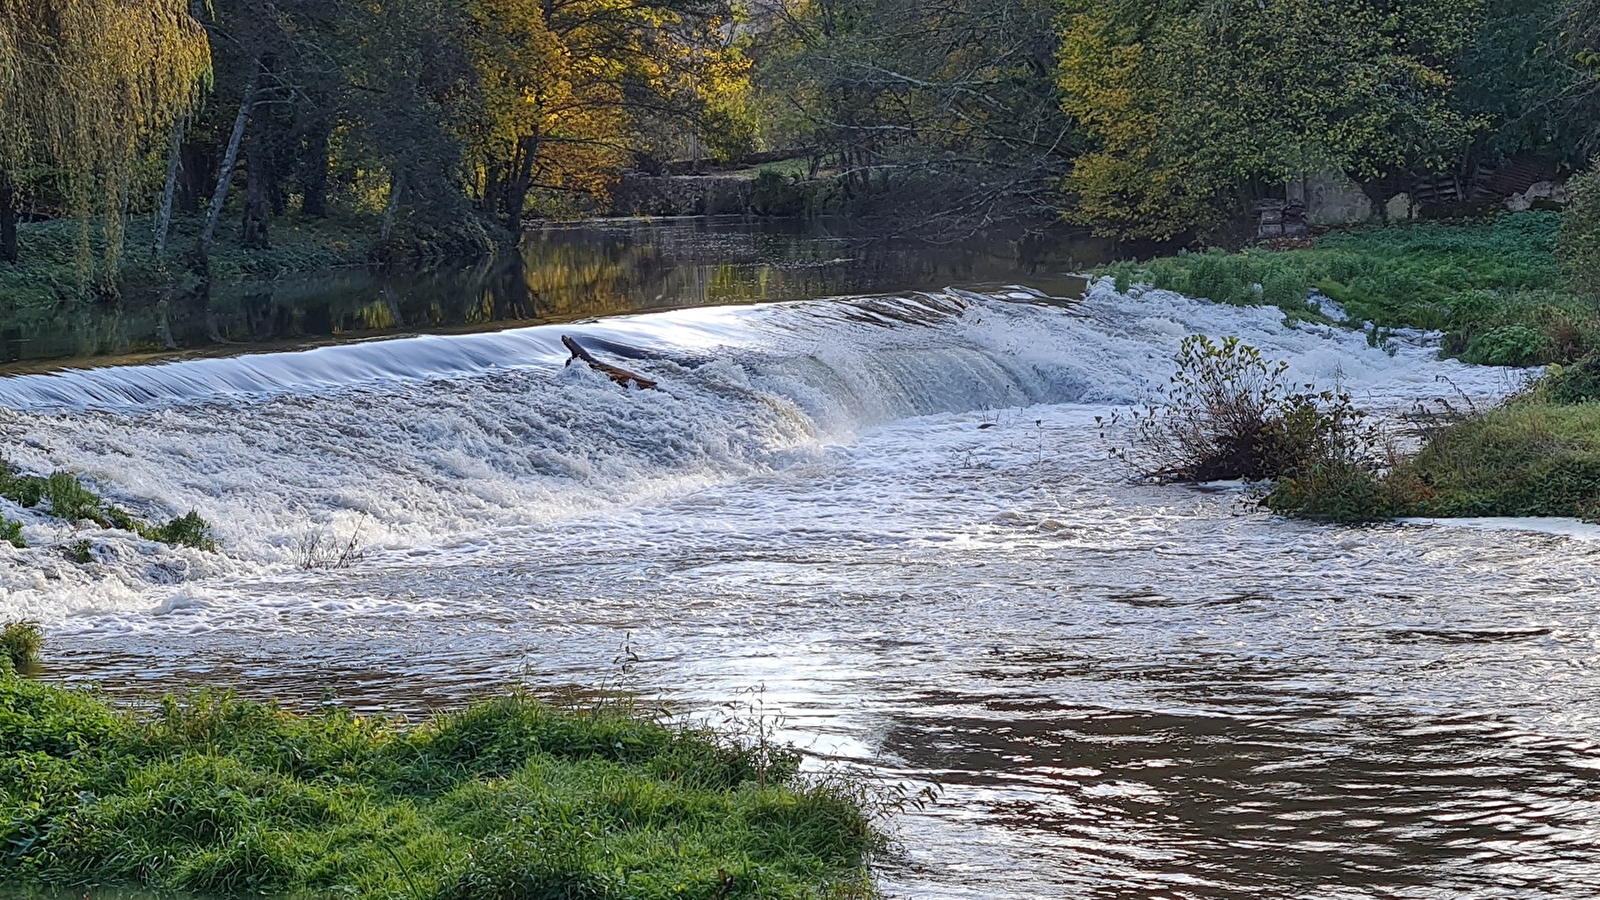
[{"x": 893, "y": 516}]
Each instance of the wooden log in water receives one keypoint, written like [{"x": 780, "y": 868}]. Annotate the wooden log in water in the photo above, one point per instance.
[{"x": 619, "y": 375}]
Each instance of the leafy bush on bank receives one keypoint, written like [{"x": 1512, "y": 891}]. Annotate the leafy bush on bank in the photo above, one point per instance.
[
  {"x": 19, "y": 646},
  {"x": 1228, "y": 413},
  {"x": 509, "y": 798}
]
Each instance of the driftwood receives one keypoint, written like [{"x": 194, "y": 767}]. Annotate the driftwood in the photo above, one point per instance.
[{"x": 620, "y": 376}]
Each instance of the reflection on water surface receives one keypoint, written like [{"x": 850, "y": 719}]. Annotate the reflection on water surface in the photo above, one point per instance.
[{"x": 563, "y": 272}]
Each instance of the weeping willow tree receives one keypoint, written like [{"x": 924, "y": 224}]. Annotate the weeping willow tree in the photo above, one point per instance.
[{"x": 88, "y": 90}]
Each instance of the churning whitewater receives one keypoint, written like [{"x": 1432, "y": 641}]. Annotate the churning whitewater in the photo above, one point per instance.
[
  {"x": 429, "y": 442},
  {"x": 422, "y": 442},
  {"x": 895, "y": 518}
]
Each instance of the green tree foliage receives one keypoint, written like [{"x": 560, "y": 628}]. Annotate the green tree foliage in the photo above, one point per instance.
[
  {"x": 87, "y": 87},
  {"x": 437, "y": 114},
  {"x": 1518, "y": 79},
  {"x": 952, "y": 103},
  {"x": 1579, "y": 242},
  {"x": 1190, "y": 102},
  {"x": 426, "y": 109}
]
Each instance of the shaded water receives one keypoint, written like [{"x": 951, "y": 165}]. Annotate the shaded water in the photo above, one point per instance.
[
  {"x": 562, "y": 273},
  {"x": 893, "y": 515}
]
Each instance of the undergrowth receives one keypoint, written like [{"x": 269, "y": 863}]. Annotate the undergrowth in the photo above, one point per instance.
[
  {"x": 1228, "y": 413},
  {"x": 1527, "y": 457},
  {"x": 20, "y": 643},
  {"x": 509, "y": 798},
  {"x": 1495, "y": 288},
  {"x": 68, "y": 499}
]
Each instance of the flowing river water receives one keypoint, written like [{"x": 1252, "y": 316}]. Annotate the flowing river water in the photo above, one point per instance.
[{"x": 885, "y": 525}]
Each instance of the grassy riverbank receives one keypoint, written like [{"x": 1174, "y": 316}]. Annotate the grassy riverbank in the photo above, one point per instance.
[
  {"x": 510, "y": 798},
  {"x": 1495, "y": 288},
  {"x": 1530, "y": 456},
  {"x": 1498, "y": 292}
]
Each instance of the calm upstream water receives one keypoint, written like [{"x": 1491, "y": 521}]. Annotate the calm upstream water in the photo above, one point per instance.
[
  {"x": 887, "y": 519},
  {"x": 563, "y": 273}
]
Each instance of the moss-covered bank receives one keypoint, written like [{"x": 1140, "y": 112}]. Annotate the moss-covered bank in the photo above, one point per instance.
[{"x": 510, "y": 798}]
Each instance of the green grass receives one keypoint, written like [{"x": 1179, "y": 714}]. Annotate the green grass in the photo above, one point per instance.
[
  {"x": 1530, "y": 456},
  {"x": 1495, "y": 288},
  {"x": 510, "y": 798}
]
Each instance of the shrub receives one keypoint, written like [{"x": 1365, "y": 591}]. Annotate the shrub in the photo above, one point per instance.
[
  {"x": 24, "y": 490},
  {"x": 1577, "y": 383},
  {"x": 188, "y": 530},
  {"x": 70, "y": 500},
  {"x": 1506, "y": 345},
  {"x": 1579, "y": 240},
  {"x": 1229, "y": 413},
  {"x": 20, "y": 643},
  {"x": 11, "y": 533},
  {"x": 772, "y": 194}
]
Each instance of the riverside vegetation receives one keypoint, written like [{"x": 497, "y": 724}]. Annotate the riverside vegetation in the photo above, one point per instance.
[
  {"x": 67, "y": 499},
  {"x": 1516, "y": 290},
  {"x": 508, "y": 798},
  {"x": 442, "y": 123}
]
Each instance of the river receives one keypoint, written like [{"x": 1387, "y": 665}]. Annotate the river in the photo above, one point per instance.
[{"x": 885, "y": 524}]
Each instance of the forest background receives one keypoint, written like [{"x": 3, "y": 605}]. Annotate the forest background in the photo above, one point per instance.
[{"x": 433, "y": 128}]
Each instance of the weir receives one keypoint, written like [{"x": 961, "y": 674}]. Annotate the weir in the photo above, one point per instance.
[{"x": 894, "y": 516}]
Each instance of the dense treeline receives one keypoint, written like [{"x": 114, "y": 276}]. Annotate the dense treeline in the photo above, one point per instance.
[
  {"x": 448, "y": 117},
  {"x": 447, "y": 120},
  {"x": 1146, "y": 119}
]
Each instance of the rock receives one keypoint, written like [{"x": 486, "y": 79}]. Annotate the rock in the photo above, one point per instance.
[
  {"x": 1398, "y": 209},
  {"x": 1541, "y": 195},
  {"x": 1331, "y": 198}
]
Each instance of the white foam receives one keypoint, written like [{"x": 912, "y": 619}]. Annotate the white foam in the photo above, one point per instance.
[{"x": 425, "y": 442}]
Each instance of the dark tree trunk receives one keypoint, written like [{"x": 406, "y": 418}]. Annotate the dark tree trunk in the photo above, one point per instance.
[
  {"x": 517, "y": 191},
  {"x": 197, "y": 172},
  {"x": 493, "y": 189},
  {"x": 8, "y": 222},
  {"x": 258, "y": 185},
  {"x": 314, "y": 173}
]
